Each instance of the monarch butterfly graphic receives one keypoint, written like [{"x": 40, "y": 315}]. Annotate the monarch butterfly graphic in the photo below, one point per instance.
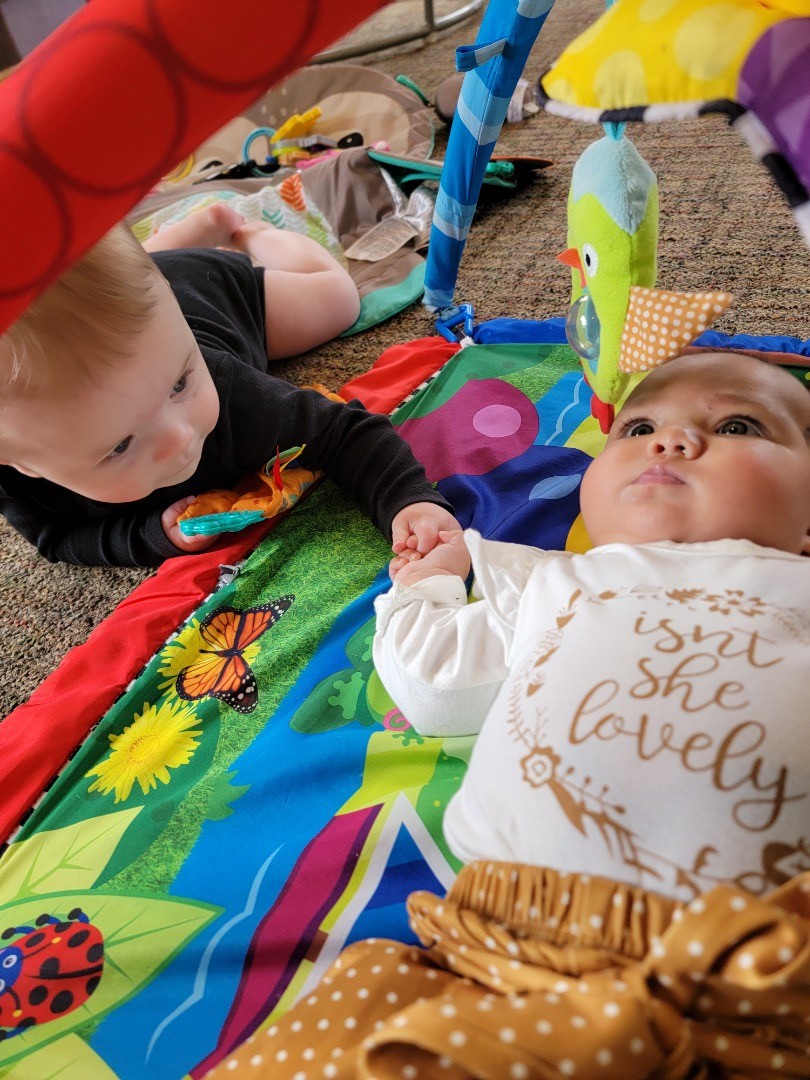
[
  {"x": 220, "y": 670},
  {"x": 50, "y": 971}
]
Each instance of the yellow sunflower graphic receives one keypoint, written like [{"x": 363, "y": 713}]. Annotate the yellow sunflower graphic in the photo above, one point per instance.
[{"x": 157, "y": 740}]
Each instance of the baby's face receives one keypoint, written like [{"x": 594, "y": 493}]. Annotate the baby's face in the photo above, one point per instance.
[
  {"x": 708, "y": 447},
  {"x": 136, "y": 425}
]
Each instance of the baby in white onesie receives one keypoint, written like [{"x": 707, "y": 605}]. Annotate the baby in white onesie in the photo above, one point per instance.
[{"x": 642, "y": 708}]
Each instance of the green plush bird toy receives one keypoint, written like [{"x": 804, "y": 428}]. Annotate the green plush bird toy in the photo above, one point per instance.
[
  {"x": 619, "y": 324},
  {"x": 612, "y": 242}
]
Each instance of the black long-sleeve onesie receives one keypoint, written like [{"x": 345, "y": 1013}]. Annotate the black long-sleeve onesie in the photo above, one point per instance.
[{"x": 221, "y": 296}]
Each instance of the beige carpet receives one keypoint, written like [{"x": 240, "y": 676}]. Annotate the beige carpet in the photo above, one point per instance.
[{"x": 723, "y": 225}]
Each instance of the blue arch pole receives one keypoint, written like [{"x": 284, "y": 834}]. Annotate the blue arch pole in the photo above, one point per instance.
[{"x": 493, "y": 66}]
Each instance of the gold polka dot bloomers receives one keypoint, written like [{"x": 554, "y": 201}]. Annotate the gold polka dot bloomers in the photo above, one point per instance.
[{"x": 528, "y": 974}]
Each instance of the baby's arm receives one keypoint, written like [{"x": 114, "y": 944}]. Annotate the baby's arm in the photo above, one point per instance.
[
  {"x": 211, "y": 227},
  {"x": 118, "y": 538},
  {"x": 441, "y": 659},
  {"x": 360, "y": 451},
  {"x": 309, "y": 297}
]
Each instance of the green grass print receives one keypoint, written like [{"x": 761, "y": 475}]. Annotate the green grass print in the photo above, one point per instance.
[{"x": 324, "y": 578}]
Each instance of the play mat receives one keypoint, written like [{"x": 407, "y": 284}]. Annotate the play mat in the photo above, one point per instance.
[{"x": 222, "y": 848}]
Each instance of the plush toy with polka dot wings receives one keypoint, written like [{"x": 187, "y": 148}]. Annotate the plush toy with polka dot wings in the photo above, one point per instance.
[
  {"x": 651, "y": 61},
  {"x": 619, "y": 323}
]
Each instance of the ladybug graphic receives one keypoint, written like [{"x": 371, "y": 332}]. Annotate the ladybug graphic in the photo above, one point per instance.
[{"x": 49, "y": 972}]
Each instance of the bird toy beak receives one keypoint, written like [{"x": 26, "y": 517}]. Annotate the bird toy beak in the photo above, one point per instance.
[{"x": 571, "y": 258}]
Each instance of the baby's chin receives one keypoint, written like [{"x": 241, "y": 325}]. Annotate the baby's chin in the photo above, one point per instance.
[{"x": 647, "y": 532}]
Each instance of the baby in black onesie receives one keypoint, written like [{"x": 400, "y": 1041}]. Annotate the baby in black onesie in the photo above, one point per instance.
[{"x": 139, "y": 380}]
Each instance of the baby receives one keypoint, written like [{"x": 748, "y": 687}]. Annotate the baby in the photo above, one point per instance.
[
  {"x": 139, "y": 381},
  {"x": 634, "y": 817},
  {"x": 674, "y": 652}
]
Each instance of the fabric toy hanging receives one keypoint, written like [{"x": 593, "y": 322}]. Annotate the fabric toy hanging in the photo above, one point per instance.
[
  {"x": 619, "y": 324},
  {"x": 746, "y": 59}
]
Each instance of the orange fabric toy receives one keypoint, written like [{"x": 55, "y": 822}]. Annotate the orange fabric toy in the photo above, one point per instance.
[{"x": 260, "y": 495}]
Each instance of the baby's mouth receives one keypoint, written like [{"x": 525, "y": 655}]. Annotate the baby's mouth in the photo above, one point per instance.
[{"x": 658, "y": 474}]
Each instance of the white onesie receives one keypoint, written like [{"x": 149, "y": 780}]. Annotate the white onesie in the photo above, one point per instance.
[{"x": 643, "y": 710}]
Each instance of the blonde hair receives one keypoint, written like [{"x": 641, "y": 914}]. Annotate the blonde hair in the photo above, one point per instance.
[{"x": 85, "y": 320}]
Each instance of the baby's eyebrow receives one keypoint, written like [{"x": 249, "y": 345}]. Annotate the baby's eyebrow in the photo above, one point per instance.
[
  {"x": 729, "y": 398},
  {"x": 192, "y": 352}
]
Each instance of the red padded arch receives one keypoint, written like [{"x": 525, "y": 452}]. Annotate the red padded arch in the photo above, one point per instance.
[{"x": 115, "y": 97}]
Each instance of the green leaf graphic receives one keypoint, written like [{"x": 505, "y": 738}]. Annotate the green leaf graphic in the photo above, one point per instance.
[
  {"x": 69, "y": 858},
  {"x": 69, "y": 1058},
  {"x": 223, "y": 793}
]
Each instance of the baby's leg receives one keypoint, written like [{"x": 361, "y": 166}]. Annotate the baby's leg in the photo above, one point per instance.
[
  {"x": 213, "y": 226},
  {"x": 309, "y": 297},
  {"x": 282, "y": 249}
]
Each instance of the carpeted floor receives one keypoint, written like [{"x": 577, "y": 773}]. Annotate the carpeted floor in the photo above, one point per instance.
[{"x": 723, "y": 225}]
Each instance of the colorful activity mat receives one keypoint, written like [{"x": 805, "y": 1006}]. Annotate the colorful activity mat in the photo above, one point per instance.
[
  {"x": 213, "y": 843},
  {"x": 245, "y": 799}
]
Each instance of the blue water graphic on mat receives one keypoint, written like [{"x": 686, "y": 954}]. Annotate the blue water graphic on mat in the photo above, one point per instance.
[
  {"x": 563, "y": 408},
  {"x": 252, "y": 851},
  {"x": 385, "y": 915}
]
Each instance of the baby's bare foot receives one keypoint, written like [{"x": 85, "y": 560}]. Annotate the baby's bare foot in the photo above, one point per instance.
[
  {"x": 212, "y": 227},
  {"x": 220, "y": 222}
]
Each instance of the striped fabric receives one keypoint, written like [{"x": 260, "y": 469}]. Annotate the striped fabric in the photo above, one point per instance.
[{"x": 493, "y": 66}]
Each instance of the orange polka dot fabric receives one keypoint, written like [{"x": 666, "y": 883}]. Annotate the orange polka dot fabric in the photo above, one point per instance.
[
  {"x": 660, "y": 324},
  {"x": 530, "y": 974}
]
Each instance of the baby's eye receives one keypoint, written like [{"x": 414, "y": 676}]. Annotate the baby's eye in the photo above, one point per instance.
[
  {"x": 738, "y": 425},
  {"x": 180, "y": 385},
  {"x": 637, "y": 427},
  {"x": 121, "y": 448}
]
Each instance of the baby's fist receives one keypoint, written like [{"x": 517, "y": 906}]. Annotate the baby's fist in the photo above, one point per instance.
[
  {"x": 171, "y": 527},
  {"x": 449, "y": 556},
  {"x": 417, "y": 527}
]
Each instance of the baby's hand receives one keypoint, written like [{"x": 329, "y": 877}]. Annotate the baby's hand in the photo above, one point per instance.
[
  {"x": 416, "y": 528},
  {"x": 171, "y": 527},
  {"x": 449, "y": 556}
]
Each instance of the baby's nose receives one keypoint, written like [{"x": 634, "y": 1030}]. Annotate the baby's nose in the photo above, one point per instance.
[
  {"x": 676, "y": 440},
  {"x": 173, "y": 442}
]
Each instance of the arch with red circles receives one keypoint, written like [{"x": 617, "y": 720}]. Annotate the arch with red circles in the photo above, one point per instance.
[{"x": 115, "y": 97}]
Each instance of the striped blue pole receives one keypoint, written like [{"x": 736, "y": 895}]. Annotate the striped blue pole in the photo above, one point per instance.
[{"x": 493, "y": 66}]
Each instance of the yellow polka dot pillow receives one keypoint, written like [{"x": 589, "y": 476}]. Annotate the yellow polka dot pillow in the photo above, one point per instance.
[{"x": 654, "y": 60}]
